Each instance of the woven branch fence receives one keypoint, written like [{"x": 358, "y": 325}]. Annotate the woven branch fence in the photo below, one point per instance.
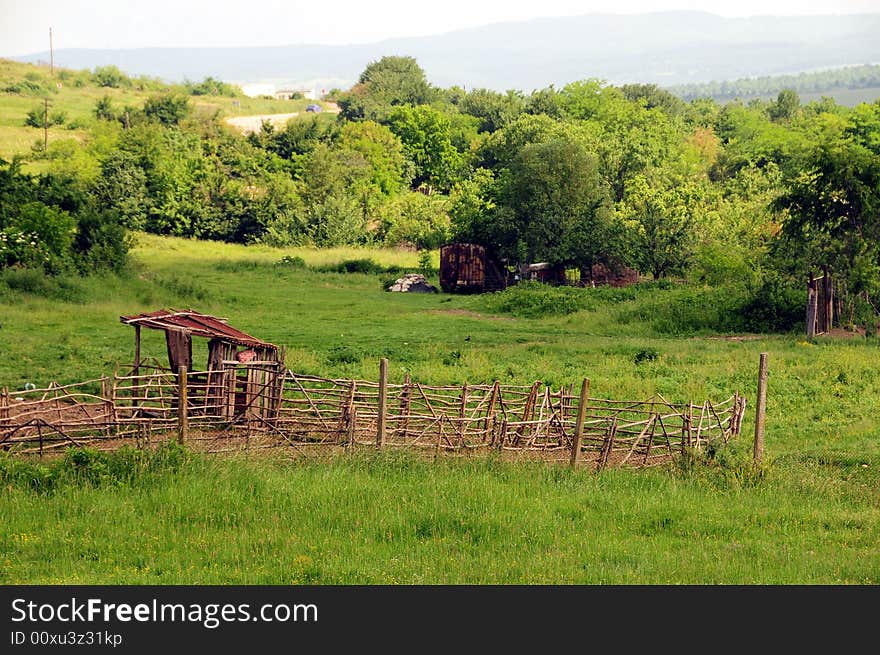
[{"x": 262, "y": 406}]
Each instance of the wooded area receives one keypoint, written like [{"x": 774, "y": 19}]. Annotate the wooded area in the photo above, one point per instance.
[{"x": 745, "y": 197}]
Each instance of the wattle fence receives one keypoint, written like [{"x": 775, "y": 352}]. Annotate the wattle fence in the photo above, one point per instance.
[{"x": 262, "y": 406}]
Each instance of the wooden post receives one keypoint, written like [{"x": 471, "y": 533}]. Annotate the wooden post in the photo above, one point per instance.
[
  {"x": 182, "y": 413},
  {"x": 383, "y": 401},
  {"x": 137, "y": 364},
  {"x": 461, "y": 414},
  {"x": 351, "y": 416},
  {"x": 489, "y": 424},
  {"x": 405, "y": 403},
  {"x": 439, "y": 437},
  {"x": 579, "y": 426},
  {"x": 607, "y": 446},
  {"x": 685, "y": 428},
  {"x": 828, "y": 301},
  {"x": 812, "y": 307},
  {"x": 760, "y": 409},
  {"x": 4, "y": 406}
]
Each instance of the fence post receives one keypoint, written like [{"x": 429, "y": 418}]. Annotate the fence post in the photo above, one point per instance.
[
  {"x": 812, "y": 307},
  {"x": 405, "y": 403},
  {"x": 383, "y": 401},
  {"x": 182, "y": 409},
  {"x": 760, "y": 410},
  {"x": 579, "y": 426},
  {"x": 4, "y": 406},
  {"x": 351, "y": 416}
]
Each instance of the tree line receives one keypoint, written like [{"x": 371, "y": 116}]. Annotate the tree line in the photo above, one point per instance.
[
  {"x": 751, "y": 194},
  {"x": 849, "y": 77}
]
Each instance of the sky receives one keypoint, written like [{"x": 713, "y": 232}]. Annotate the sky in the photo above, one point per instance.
[{"x": 24, "y": 24}]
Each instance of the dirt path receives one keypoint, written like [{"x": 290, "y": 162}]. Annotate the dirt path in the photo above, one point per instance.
[{"x": 247, "y": 124}]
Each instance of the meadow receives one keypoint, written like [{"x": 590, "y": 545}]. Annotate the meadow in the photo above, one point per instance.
[
  {"x": 810, "y": 514},
  {"x": 75, "y": 94}
]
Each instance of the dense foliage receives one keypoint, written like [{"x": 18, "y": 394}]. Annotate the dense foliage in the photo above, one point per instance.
[
  {"x": 752, "y": 197},
  {"x": 850, "y": 77}
]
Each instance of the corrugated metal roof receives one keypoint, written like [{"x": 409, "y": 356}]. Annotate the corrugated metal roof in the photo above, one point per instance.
[{"x": 203, "y": 325}]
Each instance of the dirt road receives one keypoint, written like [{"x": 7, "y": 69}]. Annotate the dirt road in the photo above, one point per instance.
[{"x": 248, "y": 124}]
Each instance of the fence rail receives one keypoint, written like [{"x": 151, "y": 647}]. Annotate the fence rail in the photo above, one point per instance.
[{"x": 263, "y": 406}]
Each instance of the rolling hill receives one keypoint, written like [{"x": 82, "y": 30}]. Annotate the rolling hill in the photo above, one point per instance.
[{"x": 666, "y": 48}]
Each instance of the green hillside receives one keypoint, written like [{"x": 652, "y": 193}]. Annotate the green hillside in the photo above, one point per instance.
[{"x": 25, "y": 87}]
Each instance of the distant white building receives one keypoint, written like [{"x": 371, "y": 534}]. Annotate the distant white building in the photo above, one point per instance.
[{"x": 258, "y": 89}]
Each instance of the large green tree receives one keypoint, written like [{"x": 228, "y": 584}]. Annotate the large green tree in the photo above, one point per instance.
[
  {"x": 384, "y": 84},
  {"x": 426, "y": 134},
  {"x": 832, "y": 208},
  {"x": 554, "y": 206}
]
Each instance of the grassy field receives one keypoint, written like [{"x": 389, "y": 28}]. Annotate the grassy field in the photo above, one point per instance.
[
  {"x": 812, "y": 515},
  {"x": 75, "y": 94}
]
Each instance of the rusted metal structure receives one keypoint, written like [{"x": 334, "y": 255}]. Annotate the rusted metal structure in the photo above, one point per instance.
[
  {"x": 468, "y": 268},
  {"x": 543, "y": 272},
  {"x": 247, "y": 369}
]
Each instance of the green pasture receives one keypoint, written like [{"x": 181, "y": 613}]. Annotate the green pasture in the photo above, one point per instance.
[
  {"x": 810, "y": 515},
  {"x": 75, "y": 94}
]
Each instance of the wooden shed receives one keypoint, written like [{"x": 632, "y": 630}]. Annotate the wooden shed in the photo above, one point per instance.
[
  {"x": 468, "y": 268},
  {"x": 243, "y": 371}
]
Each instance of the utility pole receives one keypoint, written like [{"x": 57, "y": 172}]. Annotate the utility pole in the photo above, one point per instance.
[{"x": 51, "y": 54}]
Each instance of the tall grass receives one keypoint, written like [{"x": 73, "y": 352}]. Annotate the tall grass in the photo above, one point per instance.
[{"x": 393, "y": 519}]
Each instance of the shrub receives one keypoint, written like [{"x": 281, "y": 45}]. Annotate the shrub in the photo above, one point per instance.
[
  {"x": 645, "y": 355},
  {"x": 291, "y": 262},
  {"x": 536, "y": 300},
  {"x": 25, "y": 87},
  {"x": 35, "y": 282},
  {"x": 774, "y": 307},
  {"x": 344, "y": 354},
  {"x": 110, "y": 76},
  {"x": 367, "y": 266}
]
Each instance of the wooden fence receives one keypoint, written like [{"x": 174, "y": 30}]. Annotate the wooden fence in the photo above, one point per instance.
[{"x": 254, "y": 407}]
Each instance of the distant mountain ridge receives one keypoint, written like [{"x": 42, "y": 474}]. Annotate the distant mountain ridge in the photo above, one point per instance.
[{"x": 665, "y": 48}]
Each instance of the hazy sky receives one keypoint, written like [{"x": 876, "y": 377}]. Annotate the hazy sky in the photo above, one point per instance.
[{"x": 24, "y": 24}]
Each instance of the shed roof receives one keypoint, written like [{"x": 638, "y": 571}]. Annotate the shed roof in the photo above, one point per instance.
[{"x": 202, "y": 325}]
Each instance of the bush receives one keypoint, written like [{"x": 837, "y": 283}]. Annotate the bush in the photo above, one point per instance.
[
  {"x": 291, "y": 262},
  {"x": 646, "y": 355},
  {"x": 537, "y": 300},
  {"x": 167, "y": 108},
  {"x": 367, "y": 266},
  {"x": 110, "y": 76},
  {"x": 37, "y": 283},
  {"x": 774, "y": 307},
  {"x": 344, "y": 354},
  {"x": 25, "y": 87},
  {"x": 89, "y": 467}
]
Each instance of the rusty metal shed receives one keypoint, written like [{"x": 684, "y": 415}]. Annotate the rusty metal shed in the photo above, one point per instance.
[
  {"x": 181, "y": 325},
  {"x": 468, "y": 268},
  {"x": 247, "y": 368}
]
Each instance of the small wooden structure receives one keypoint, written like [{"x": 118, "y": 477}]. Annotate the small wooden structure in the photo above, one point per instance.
[
  {"x": 468, "y": 268},
  {"x": 543, "y": 272},
  {"x": 248, "y": 370},
  {"x": 820, "y": 304}
]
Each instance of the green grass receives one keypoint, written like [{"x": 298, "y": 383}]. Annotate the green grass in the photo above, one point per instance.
[
  {"x": 812, "y": 517},
  {"x": 76, "y": 97},
  {"x": 371, "y": 519}
]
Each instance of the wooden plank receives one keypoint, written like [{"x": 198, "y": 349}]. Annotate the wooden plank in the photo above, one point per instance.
[{"x": 182, "y": 408}]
